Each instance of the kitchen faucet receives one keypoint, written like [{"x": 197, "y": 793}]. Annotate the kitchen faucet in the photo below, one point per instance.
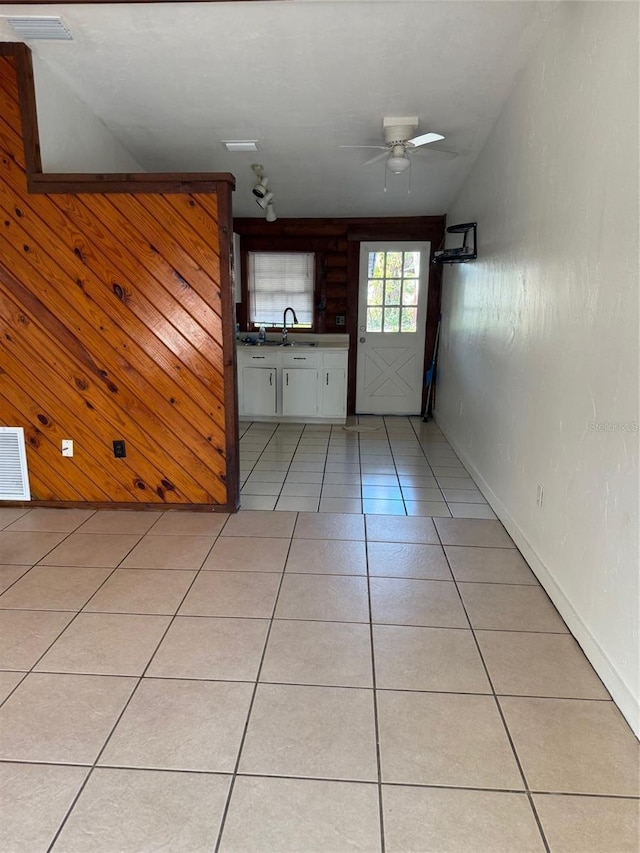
[{"x": 284, "y": 322}]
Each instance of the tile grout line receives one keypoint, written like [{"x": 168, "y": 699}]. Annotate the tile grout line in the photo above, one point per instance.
[
  {"x": 119, "y": 717},
  {"x": 375, "y": 699},
  {"x": 31, "y": 669},
  {"x": 256, "y": 682},
  {"x": 75, "y": 612},
  {"x": 257, "y": 775},
  {"x": 494, "y": 695}
]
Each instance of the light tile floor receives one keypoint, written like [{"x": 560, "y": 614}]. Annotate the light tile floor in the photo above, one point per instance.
[
  {"x": 395, "y": 466},
  {"x": 297, "y": 681}
]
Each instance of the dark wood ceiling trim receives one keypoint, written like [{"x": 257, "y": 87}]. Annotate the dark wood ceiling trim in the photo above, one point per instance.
[
  {"x": 135, "y": 182},
  {"x": 352, "y": 228},
  {"x": 26, "y": 88}
]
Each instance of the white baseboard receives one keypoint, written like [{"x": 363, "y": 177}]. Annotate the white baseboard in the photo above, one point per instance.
[{"x": 628, "y": 704}]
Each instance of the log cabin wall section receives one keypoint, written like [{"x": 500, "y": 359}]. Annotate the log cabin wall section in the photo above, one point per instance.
[
  {"x": 336, "y": 245},
  {"x": 117, "y": 323}
]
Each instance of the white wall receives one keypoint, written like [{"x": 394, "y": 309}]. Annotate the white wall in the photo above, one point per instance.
[
  {"x": 540, "y": 334},
  {"x": 72, "y": 137}
]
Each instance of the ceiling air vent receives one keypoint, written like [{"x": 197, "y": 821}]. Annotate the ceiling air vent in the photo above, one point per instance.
[
  {"x": 14, "y": 477},
  {"x": 39, "y": 27}
]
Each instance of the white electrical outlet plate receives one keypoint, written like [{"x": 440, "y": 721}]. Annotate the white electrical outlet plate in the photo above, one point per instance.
[{"x": 67, "y": 447}]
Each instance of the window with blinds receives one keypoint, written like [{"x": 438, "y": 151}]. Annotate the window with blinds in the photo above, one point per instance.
[{"x": 277, "y": 280}]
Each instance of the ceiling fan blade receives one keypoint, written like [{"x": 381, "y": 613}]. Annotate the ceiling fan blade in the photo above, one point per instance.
[
  {"x": 377, "y": 157},
  {"x": 381, "y": 147},
  {"x": 440, "y": 153},
  {"x": 425, "y": 139}
]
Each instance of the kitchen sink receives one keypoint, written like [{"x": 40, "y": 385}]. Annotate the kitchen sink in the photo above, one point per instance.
[{"x": 280, "y": 344}]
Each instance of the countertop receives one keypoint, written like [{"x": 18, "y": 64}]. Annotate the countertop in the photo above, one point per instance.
[{"x": 296, "y": 339}]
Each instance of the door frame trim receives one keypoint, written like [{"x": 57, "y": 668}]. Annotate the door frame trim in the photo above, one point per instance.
[{"x": 383, "y": 244}]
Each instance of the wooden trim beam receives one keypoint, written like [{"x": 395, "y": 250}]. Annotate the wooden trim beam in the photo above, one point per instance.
[{"x": 136, "y": 182}]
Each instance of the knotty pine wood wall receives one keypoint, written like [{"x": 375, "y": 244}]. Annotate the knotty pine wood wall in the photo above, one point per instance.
[{"x": 111, "y": 324}]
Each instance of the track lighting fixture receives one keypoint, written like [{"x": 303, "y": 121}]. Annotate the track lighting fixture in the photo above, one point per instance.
[
  {"x": 264, "y": 196},
  {"x": 265, "y": 201},
  {"x": 260, "y": 189}
]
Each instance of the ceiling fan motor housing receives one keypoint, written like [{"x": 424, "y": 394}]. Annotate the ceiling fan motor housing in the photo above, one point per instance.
[{"x": 397, "y": 131}]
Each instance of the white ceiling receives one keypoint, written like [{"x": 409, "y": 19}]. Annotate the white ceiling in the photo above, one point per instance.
[{"x": 172, "y": 80}]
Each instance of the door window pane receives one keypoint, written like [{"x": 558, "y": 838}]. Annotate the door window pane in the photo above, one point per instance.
[
  {"x": 410, "y": 292},
  {"x": 409, "y": 320},
  {"x": 374, "y": 294},
  {"x": 411, "y": 264},
  {"x": 374, "y": 319},
  {"x": 392, "y": 292},
  {"x": 391, "y": 320},
  {"x": 394, "y": 264},
  {"x": 376, "y": 264}
]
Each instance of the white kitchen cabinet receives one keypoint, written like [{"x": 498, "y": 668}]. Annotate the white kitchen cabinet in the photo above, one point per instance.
[
  {"x": 334, "y": 393},
  {"x": 259, "y": 391},
  {"x": 299, "y": 391},
  {"x": 293, "y": 384},
  {"x": 333, "y": 385}
]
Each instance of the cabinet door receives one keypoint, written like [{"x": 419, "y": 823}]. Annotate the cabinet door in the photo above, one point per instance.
[
  {"x": 300, "y": 391},
  {"x": 334, "y": 392},
  {"x": 258, "y": 391}
]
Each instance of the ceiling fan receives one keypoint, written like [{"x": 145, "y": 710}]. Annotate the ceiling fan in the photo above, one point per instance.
[{"x": 400, "y": 143}]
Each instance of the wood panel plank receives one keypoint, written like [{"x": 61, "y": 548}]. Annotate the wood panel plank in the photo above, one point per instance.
[
  {"x": 155, "y": 245},
  {"x": 16, "y": 408},
  {"x": 43, "y": 437},
  {"x": 29, "y": 358},
  {"x": 97, "y": 388},
  {"x": 111, "y": 262},
  {"x": 92, "y": 286}
]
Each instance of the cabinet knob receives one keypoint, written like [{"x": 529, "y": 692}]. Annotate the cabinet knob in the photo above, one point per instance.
[{"x": 362, "y": 339}]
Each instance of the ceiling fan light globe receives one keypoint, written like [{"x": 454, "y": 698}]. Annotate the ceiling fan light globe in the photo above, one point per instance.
[{"x": 397, "y": 165}]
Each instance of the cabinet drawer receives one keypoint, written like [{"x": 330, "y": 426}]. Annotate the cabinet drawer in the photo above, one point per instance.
[
  {"x": 300, "y": 359},
  {"x": 259, "y": 359},
  {"x": 335, "y": 359}
]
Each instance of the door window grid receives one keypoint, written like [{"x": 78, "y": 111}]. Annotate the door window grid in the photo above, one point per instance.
[{"x": 392, "y": 293}]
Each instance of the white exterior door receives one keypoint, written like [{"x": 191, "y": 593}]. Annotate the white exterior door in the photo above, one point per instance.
[{"x": 392, "y": 312}]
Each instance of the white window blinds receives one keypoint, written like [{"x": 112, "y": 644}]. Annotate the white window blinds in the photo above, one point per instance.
[{"x": 278, "y": 280}]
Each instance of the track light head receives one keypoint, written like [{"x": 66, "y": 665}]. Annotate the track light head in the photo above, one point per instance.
[
  {"x": 260, "y": 189},
  {"x": 265, "y": 201}
]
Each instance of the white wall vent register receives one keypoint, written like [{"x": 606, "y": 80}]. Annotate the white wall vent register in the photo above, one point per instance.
[
  {"x": 32, "y": 27},
  {"x": 14, "y": 477}
]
